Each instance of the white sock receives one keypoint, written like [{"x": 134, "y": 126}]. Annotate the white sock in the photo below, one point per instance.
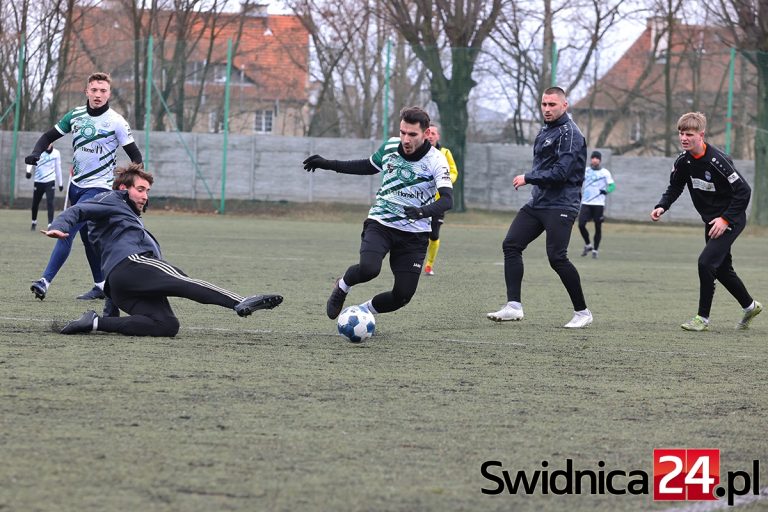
[
  {"x": 344, "y": 286},
  {"x": 750, "y": 307},
  {"x": 34, "y": 223},
  {"x": 369, "y": 306},
  {"x": 583, "y": 312},
  {"x": 100, "y": 285},
  {"x": 47, "y": 284},
  {"x": 515, "y": 305},
  {"x": 95, "y": 323}
]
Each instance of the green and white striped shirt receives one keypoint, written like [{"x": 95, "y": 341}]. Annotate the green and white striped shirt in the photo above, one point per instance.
[
  {"x": 95, "y": 141},
  {"x": 405, "y": 183}
]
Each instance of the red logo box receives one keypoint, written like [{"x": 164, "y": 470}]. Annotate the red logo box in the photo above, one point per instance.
[{"x": 681, "y": 474}]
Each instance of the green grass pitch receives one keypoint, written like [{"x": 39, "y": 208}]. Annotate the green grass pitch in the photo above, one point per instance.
[{"x": 276, "y": 412}]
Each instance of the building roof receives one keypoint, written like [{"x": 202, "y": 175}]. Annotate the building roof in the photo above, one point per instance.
[
  {"x": 699, "y": 65},
  {"x": 272, "y": 54}
]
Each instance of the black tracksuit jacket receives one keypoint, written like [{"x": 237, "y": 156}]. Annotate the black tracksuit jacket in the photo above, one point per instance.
[
  {"x": 559, "y": 163},
  {"x": 716, "y": 187}
]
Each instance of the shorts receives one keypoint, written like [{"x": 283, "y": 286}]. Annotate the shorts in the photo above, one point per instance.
[
  {"x": 406, "y": 249},
  {"x": 590, "y": 212}
]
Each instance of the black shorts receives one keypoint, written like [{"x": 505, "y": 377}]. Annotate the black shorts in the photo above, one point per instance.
[
  {"x": 406, "y": 250},
  {"x": 590, "y": 212}
]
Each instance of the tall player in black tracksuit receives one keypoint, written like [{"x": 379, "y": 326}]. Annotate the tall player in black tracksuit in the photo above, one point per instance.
[
  {"x": 559, "y": 157},
  {"x": 720, "y": 195},
  {"x": 138, "y": 280}
]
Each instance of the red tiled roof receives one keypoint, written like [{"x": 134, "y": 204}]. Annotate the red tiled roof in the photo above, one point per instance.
[
  {"x": 691, "y": 45},
  {"x": 272, "y": 54}
]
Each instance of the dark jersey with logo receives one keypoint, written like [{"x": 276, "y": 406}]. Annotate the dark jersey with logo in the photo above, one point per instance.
[{"x": 716, "y": 187}]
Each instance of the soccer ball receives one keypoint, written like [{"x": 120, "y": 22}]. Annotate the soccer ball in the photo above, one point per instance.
[{"x": 356, "y": 324}]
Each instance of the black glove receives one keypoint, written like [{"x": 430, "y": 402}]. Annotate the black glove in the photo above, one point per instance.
[
  {"x": 61, "y": 187},
  {"x": 315, "y": 162},
  {"x": 27, "y": 174},
  {"x": 413, "y": 213},
  {"x": 602, "y": 191},
  {"x": 31, "y": 159}
]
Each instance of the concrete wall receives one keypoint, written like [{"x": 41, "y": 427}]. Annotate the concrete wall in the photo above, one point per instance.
[{"x": 269, "y": 168}]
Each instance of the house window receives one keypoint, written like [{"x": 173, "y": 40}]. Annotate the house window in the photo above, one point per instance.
[
  {"x": 195, "y": 71},
  {"x": 263, "y": 121},
  {"x": 220, "y": 73},
  {"x": 213, "y": 122},
  {"x": 636, "y": 130}
]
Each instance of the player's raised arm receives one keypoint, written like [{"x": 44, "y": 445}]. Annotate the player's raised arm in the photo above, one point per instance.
[{"x": 360, "y": 167}]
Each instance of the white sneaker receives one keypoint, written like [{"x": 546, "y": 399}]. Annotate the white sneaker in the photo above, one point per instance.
[
  {"x": 579, "y": 320},
  {"x": 506, "y": 314}
]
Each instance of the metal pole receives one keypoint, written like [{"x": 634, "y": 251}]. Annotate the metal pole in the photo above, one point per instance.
[
  {"x": 385, "y": 117},
  {"x": 729, "y": 117},
  {"x": 17, "y": 115},
  {"x": 148, "y": 101},
  {"x": 554, "y": 64},
  {"x": 226, "y": 128}
]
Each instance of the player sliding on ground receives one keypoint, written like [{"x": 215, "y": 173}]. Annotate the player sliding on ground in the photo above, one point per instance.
[
  {"x": 398, "y": 223},
  {"x": 138, "y": 280},
  {"x": 720, "y": 195}
]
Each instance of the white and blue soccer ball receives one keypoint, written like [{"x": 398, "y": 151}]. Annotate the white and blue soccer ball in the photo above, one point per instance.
[{"x": 356, "y": 324}]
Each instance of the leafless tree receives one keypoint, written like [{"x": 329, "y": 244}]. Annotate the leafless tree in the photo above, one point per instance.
[
  {"x": 464, "y": 26},
  {"x": 42, "y": 27},
  {"x": 350, "y": 41}
]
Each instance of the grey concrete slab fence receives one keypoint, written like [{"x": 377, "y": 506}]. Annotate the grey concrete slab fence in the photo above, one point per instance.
[{"x": 268, "y": 168}]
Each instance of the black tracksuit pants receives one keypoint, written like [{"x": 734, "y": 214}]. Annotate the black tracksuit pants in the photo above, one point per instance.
[
  {"x": 715, "y": 263},
  {"x": 141, "y": 285},
  {"x": 43, "y": 189},
  {"x": 528, "y": 225}
]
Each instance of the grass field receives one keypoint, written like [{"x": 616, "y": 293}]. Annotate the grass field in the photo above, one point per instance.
[{"x": 277, "y": 413}]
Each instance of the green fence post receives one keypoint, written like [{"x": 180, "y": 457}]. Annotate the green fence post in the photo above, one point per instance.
[
  {"x": 226, "y": 129},
  {"x": 148, "y": 101},
  {"x": 729, "y": 118},
  {"x": 385, "y": 116},
  {"x": 17, "y": 116}
]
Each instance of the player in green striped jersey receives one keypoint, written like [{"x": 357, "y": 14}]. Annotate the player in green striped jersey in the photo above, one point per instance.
[
  {"x": 398, "y": 222},
  {"x": 97, "y": 133}
]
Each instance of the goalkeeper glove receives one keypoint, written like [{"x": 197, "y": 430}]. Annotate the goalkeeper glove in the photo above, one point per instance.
[
  {"x": 316, "y": 162},
  {"x": 413, "y": 212},
  {"x": 61, "y": 187}
]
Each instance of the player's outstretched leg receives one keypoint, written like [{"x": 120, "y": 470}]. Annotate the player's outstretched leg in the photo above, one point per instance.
[{"x": 256, "y": 302}]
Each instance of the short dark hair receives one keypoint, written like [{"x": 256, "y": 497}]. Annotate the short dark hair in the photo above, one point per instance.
[
  {"x": 100, "y": 76},
  {"x": 556, "y": 89},
  {"x": 127, "y": 176},
  {"x": 415, "y": 115}
]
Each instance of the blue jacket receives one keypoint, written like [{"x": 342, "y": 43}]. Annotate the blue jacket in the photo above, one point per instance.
[
  {"x": 559, "y": 161},
  {"x": 114, "y": 227}
]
